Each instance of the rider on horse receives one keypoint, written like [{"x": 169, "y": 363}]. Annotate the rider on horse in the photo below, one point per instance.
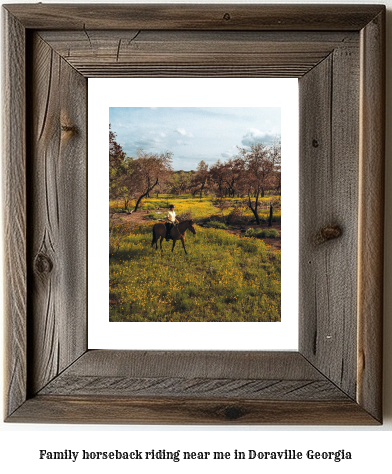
[{"x": 170, "y": 221}]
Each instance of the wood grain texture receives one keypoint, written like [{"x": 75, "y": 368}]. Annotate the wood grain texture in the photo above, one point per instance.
[
  {"x": 195, "y": 53},
  {"x": 194, "y": 387},
  {"x": 102, "y": 409},
  {"x": 329, "y": 134},
  {"x": 206, "y": 364},
  {"x": 336, "y": 376},
  {"x": 371, "y": 216},
  {"x": 14, "y": 208},
  {"x": 57, "y": 215},
  {"x": 179, "y": 374},
  {"x": 196, "y": 17},
  {"x": 191, "y": 387}
]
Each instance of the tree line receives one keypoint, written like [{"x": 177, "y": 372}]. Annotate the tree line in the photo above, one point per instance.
[{"x": 250, "y": 174}]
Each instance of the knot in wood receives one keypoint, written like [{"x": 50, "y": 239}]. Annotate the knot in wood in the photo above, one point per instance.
[
  {"x": 227, "y": 16},
  {"x": 43, "y": 264},
  {"x": 328, "y": 233},
  {"x": 233, "y": 412},
  {"x": 315, "y": 143},
  {"x": 69, "y": 128}
]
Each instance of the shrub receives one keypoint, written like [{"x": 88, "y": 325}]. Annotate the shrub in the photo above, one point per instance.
[
  {"x": 216, "y": 225},
  {"x": 270, "y": 233},
  {"x": 236, "y": 215},
  {"x": 185, "y": 216},
  {"x": 262, "y": 233},
  {"x": 222, "y": 204},
  {"x": 250, "y": 232}
]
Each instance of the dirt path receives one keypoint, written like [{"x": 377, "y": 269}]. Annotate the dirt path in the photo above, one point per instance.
[
  {"x": 138, "y": 218},
  {"x": 134, "y": 218}
]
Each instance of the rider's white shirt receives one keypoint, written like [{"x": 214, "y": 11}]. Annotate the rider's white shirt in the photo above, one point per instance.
[{"x": 171, "y": 215}]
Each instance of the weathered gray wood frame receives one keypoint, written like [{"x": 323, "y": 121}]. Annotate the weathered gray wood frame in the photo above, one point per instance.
[{"x": 337, "y": 52}]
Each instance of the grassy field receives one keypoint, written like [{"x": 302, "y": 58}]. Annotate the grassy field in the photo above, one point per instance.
[
  {"x": 224, "y": 277},
  {"x": 200, "y": 208}
]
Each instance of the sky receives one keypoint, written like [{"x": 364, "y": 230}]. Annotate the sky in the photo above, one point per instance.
[{"x": 193, "y": 134}]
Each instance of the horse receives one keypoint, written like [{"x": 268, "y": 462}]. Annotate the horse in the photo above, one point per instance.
[{"x": 176, "y": 233}]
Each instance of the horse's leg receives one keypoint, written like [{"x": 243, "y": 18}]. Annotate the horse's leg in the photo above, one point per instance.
[
  {"x": 161, "y": 243},
  {"x": 174, "y": 243},
  {"x": 183, "y": 243}
]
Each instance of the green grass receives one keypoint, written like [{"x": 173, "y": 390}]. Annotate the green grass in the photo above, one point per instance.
[
  {"x": 262, "y": 233},
  {"x": 223, "y": 278},
  {"x": 156, "y": 215},
  {"x": 216, "y": 225}
]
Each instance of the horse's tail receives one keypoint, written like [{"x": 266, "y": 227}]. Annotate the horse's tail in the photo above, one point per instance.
[{"x": 154, "y": 236}]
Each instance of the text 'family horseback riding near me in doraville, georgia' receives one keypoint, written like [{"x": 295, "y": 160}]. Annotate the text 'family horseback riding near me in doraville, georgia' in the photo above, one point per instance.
[
  {"x": 180, "y": 455},
  {"x": 195, "y": 214}
]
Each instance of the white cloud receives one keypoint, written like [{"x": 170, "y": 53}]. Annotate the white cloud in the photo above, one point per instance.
[
  {"x": 184, "y": 133},
  {"x": 254, "y": 135},
  {"x": 152, "y": 140}
]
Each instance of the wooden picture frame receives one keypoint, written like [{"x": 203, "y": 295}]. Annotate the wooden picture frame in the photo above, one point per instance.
[{"x": 337, "y": 52}]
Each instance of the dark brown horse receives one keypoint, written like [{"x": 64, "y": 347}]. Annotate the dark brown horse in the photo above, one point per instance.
[{"x": 177, "y": 233}]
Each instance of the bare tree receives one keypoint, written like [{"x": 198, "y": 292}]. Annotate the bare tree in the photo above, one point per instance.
[
  {"x": 136, "y": 178},
  {"x": 232, "y": 176},
  {"x": 217, "y": 174},
  {"x": 200, "y": 179},
  {"x": 260, "y": 167},
  {"x": 149, "y": 170}
]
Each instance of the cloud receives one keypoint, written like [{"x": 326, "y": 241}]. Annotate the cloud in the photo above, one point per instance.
[
  {"x": 254, "y": 135},
  {"x": 151, "y": 140},
  {"x": 184, "y": 133}
]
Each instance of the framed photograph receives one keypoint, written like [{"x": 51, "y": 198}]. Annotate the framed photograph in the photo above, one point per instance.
[
  {"x": 180, "y": 174},
  {"x": 337, "y": 54},
  {"x": 230, "y": 273}
]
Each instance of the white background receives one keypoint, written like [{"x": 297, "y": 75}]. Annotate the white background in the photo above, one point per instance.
[
  {"x": 206, "y": 92},
  {"x": 370, "y": 447}
]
